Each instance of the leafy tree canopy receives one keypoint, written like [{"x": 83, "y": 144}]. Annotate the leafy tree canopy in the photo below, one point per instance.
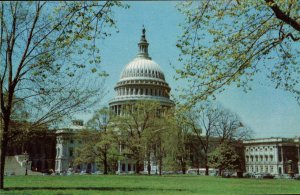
[
  {"x": 224, "y": 157},
  {"x": 48, "y": 50},
  {"x": 228, "y": 42}
]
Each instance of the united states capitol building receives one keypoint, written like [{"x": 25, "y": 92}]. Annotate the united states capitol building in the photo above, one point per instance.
[{"x": 141, "y": 79}]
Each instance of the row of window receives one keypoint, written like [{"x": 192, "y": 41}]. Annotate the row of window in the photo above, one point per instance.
[
  {"x": 142, "y": 91},
  {"x": 129, "y": 167},
  {"x": 261, "y": 169},
  {"x": 259, "y": 158},
  {"x": 141, "y": 82},
  {"x": 260, "y": 149}
]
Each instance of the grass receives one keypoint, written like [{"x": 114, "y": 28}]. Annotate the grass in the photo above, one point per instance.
[{"x": 131, "y": 184}]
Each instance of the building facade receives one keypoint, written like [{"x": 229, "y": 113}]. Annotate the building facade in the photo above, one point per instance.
[
  {"x": 39, "y": 145},
  {"x": 141, "y": 79},
  {"x": 272, "y": 155},
  {"x": 66, "y": 143}
]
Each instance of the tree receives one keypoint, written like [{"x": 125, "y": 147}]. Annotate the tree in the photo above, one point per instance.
[
  {"x": 143, "y": 127},
  {"x": 224, "y": 157},
  {"x": 47, "y": 48},
  {"x": 230, "y": 128},
  {"x": 229, "y": 42},
  {"x": 100, "y": 142},
  {"x": 134, "y": 124},
  {"x": 202, "y": 122},
  {"x": 165, "y": 139},
  {"x": 178, "y": 143}
]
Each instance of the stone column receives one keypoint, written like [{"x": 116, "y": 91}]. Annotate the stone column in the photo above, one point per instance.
[
  {"x": 282, "y": 155},
  {"x": 119, "y": 161},
  {"x": 298, "y": 158},
  {"x": 298, "y": 153},
  {"x": 126, "y": 166}
]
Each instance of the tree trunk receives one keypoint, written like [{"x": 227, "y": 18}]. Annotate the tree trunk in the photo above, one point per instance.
[
  {"x": 160, "y": 166},
  {"x": 137, "y": 167},
  {"x": 148, "y": 165},
  {"x": 105, "y": 164},
  {"x": 3, "y": 149},
  {"x": 206, "y": 166},
  {"x": 183, "y": 167}
]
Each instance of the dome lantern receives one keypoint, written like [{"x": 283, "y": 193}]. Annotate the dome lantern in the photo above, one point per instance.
[{"x": 143, "y": 45}]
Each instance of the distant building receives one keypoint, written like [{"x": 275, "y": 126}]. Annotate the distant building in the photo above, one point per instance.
[
  {"x": 66, "y": 143},
  {"x": 39, "y": 145},
  {"x": 272, "y": 155}
]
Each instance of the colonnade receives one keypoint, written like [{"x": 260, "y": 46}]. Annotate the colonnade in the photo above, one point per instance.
[{"x": 126, "y": 91}]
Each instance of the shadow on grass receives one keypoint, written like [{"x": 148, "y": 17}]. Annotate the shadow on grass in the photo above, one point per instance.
[{"x": 93, "y": 188}]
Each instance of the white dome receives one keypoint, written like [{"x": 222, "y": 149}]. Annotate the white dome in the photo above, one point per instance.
[
  {"x": 141, "y": 79},
  {"x": 142, "y": 67}
]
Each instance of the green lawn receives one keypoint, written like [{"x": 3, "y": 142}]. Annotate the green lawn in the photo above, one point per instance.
[{"x": 112, "y": 184}]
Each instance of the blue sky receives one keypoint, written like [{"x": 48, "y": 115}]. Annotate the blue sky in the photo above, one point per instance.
[{"x": 267, "y": 111}]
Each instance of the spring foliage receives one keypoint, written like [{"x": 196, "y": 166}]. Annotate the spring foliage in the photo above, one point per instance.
[{"x": 228, "y": 42}]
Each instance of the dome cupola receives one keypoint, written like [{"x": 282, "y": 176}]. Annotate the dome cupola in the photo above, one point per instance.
[{"x": 143, "y": 46}]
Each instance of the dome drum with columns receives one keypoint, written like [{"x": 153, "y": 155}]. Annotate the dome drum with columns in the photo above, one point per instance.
[{"x": 141, "y": 79}]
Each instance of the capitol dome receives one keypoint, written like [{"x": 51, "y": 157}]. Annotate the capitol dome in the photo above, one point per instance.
[
  {"x": 142, "y": 67},
  {"x": 141, "y": 79}
]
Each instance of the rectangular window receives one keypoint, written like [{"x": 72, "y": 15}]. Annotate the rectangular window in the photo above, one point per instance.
[
  {"x": 279, "y": 153},
  {"x": 71, "y": 152},
  {"x": 271, "y": 169}
]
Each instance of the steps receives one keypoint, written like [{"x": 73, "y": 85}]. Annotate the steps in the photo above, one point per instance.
[{"x": 13, "y": 167}]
